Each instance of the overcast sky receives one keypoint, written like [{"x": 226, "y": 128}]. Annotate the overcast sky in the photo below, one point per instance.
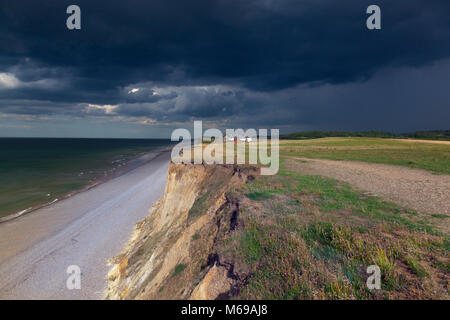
[{"x": 142, "y": 68}]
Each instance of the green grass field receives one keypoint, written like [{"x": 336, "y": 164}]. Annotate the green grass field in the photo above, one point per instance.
[{"x": 434, "y": 157}]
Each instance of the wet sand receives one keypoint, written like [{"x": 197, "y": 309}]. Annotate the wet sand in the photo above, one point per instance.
[{"x": 84, "y": 230}]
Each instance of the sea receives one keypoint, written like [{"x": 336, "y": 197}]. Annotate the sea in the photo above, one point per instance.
[{"x": 38, "y": 171}]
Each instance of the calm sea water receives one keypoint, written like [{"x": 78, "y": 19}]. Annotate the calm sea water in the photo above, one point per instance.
[{"x": 36, "y": 171}]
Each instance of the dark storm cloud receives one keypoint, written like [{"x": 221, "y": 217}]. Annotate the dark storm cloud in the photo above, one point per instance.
[
  {"x": 212, "y": 59},
  {"x": 266, "y": 44},
  {"x": 189, "y": 101}
]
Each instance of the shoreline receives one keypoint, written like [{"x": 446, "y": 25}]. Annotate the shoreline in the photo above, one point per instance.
[
  {"x": 86, "y": 230},
  {"x": 130, "y": 165}
]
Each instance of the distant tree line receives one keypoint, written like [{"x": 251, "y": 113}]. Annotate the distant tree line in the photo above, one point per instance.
[{"x": 429, "y": 135}]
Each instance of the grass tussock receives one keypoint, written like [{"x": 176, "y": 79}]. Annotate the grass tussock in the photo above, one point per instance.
[{"x": 178, "y": 269}]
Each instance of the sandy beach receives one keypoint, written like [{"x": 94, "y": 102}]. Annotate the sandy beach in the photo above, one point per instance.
[{"x": 85, "y": 230}]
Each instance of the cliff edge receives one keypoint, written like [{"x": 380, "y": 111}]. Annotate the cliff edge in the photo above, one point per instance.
[
  {"x": 224, "y": 231},
  {"x": 172, "y": 253}
]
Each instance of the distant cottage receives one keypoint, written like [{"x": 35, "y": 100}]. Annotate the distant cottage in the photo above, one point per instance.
[{"x": 235, "y": 139}]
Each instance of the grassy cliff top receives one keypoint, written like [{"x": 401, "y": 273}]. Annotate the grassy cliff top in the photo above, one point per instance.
[{"x": 431, "y": 135}]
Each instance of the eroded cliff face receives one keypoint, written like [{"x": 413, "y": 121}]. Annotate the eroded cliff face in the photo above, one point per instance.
[{"x": 171, "y": 254}]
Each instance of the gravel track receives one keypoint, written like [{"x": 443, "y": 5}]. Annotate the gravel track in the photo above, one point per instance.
[{"x": 414, "y": 188}]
